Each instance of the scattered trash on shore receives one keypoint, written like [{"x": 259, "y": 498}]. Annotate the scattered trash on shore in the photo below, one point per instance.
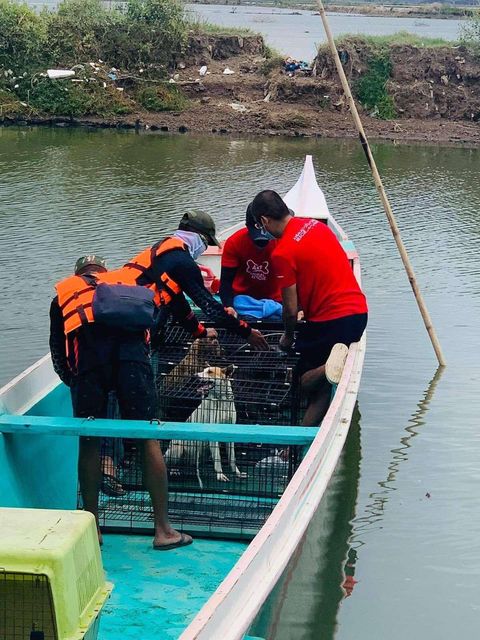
[
  {"x": 241, "y": 108},
  {"x": 58, "y": 74}
]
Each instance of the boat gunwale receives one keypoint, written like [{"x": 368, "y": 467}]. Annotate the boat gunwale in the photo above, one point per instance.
[{"x": 233, "y": 606}]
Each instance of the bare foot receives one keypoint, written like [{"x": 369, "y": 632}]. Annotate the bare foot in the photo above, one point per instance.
[{"x": 171, "y": 540}]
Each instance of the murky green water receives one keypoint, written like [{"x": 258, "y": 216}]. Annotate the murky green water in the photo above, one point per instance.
[{"x": 415, "y": 559}]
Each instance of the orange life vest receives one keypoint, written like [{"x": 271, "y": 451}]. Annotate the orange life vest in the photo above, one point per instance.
[{"x": 75, "y": 294}]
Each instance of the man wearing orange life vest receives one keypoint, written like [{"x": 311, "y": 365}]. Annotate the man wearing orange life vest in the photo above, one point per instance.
[{"x": 92, "y": 360}]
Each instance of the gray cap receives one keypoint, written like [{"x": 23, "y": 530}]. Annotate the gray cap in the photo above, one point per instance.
[
  {"x": 202, "y": 223},
  {"x": 91, "y": 260}
]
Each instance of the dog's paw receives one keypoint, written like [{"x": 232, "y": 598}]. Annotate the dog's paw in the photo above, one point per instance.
[
  {"x": 175, "y": 472},
  {"x": 221, "y": 477},
  {"x": 241, "y": 474}
]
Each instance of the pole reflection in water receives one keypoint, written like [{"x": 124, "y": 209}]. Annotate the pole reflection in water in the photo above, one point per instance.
[
  {"x": 305, "y": 602},
  {"x": 379, "y": 499}
]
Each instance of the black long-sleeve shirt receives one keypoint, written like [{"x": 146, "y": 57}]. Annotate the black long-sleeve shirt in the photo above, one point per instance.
[
  {"x": 227, "y": 277},
  {"x": 183, "y": 269}
]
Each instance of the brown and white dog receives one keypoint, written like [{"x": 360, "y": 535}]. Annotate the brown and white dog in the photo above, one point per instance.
[
  {"x": 217, "y": 406},
  {"x": 202, "y": 351}
]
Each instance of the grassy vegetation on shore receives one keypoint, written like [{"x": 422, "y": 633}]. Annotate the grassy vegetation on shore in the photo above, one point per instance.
[
  {"x": 142, "y": 41},
  {"x": 373, "y": 54}
]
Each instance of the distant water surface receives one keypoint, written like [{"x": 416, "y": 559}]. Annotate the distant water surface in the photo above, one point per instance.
[
  {"x": 299, "y": 34},
  {"x": 399, "y": 527}
]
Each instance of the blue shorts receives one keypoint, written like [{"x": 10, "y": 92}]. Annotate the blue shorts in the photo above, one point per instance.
[{"x": 316, "y": 339}]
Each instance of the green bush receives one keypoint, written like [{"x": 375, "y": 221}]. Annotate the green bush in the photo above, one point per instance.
[
  {"x": 371, "y": 88},
  {"x": 22, "y": 37},
  {"x": 64, "y": 98},
  {"x": 82, "y": 31},
  {"x": 470, "y": 34},
  {"x": 161, "y": 98},
  {"x": 158, "y": 29}
]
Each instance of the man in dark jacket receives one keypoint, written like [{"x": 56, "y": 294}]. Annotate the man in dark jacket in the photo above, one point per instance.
[{"x": 92, "y": 361}]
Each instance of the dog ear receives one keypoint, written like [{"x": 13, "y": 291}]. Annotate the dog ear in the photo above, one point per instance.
[{"x": 229, "y": 370}]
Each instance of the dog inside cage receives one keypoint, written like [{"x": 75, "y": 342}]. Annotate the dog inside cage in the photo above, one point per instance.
[{"x": 215, "y": 487}]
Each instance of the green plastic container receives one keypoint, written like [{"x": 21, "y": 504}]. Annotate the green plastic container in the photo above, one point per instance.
[{"x": 52, "y": 581}]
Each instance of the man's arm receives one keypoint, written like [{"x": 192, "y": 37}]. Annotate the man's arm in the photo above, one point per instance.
[
  {"x": 227, "y": 277},
  {"x": 57, "y": 344},
  {"x": 290, "y": 314}
]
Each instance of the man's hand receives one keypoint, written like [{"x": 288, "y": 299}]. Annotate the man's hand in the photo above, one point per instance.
[
  {"x": 286, "y": 342},
  {"x": 257, "y": 341},
  {"x": 211, "y": 334},
  {"x": 231, "y": 312}
]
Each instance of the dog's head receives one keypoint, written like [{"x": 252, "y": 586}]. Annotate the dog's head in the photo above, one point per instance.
[
  {"x": 216, "y": 378},
  {"x": 217, "y": 373}
]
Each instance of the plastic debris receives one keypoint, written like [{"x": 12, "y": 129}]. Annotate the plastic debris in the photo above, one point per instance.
[
  {"x": 181, "y": 65},
  {"x": 241, "y": 108},
  {"x": 112, "y": 76},
  {"x": 119, "y": 88},
  {"x": 203, "y": 70},
  {"x": 104, "y": 85},
  {"x": 228, "y": 72},
  {"x": 24, "y": 104},
  {"x": 171, "y": 81},
  {"x": 176, "y": 76},
  {"x": 57, "y": 74}
]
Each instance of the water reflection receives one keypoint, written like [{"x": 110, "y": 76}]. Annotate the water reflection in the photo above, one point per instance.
[
  {"x": 305, "y": 603},
  {"x": 375, "y": 509}
]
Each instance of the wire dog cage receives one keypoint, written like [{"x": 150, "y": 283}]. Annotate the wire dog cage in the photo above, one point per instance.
[{"x": 215, "y": 488}]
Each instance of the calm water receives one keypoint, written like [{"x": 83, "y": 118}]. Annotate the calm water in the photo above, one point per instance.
[
  {"x": 299, "y": 35},
  {"x": 415, "y": 559}
]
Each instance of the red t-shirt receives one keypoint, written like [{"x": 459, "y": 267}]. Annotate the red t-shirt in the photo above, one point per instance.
[
  {"x": 254, "y": 276},
  {"x": 310, "y": 256}
]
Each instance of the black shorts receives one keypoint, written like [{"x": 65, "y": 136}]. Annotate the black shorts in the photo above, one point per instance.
[
  {"x": 316, "y": 339},
  {"x": 134, "y": 386}
]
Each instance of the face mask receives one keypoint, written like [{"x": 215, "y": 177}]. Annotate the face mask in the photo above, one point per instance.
[
  {"x": 195, "y": 243},
  {"x": 266, "y": 234}
]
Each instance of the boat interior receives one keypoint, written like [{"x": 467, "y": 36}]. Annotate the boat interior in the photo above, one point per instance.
[{"x": 223, "y": 511}]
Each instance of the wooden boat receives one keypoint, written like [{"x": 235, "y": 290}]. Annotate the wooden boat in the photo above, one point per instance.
[{"x": 245, "y": 532}]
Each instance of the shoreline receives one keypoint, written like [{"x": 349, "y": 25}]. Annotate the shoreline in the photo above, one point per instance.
[
  {"x": 231, "y": 85},
  {"x": 331, "y": 126}
]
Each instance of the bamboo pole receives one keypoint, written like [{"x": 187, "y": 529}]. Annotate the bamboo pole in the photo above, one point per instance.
[{"x": 381, "y": 192}]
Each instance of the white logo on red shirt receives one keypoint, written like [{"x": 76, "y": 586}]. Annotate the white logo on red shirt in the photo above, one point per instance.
[
  {"x": 257, "y": 271},
  {"x": 304, "y": 230}
]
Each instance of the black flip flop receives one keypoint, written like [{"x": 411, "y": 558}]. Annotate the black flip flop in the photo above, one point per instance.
[
  {"x": 182, "y": 542},
  {"x": 111, "y": 486}
]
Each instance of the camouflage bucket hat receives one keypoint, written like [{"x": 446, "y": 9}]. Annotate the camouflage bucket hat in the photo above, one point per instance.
[
  {"x": 86, "y": 261},
  {"x": 202, "y": 223}
]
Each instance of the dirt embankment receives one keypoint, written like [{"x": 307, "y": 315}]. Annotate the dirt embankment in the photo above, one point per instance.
[{"x": 434, "y": 93}]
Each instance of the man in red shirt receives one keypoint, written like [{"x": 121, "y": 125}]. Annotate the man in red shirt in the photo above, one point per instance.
[
  {"x": 315, "y": 275},
  {"x": 247, "y": 265}
]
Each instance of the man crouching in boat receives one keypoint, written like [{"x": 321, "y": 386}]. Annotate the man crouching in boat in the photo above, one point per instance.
[
  {"x": 93, "y": 359},
  {"x": 248, "y": 285},
  {"x": 315, "y": 275}
]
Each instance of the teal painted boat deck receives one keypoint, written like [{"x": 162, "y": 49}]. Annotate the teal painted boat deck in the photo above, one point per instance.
[{"x": 157, "y": 593}]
